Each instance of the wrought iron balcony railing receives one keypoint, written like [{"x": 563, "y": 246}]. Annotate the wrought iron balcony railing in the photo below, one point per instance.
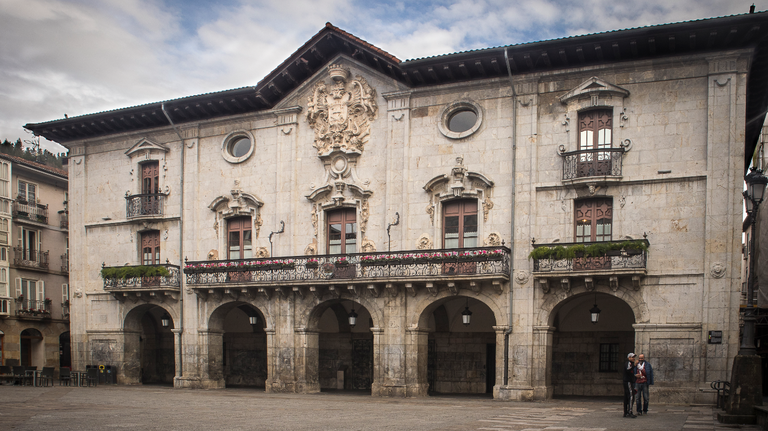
[
  {"x": 476, "y": 263},
  {"x": 170, "y": 282},
  {"x": 605, "y": 162},
  {"x": 614, "y": 258},
  {"x": 147, "y": 204},
  {"x": 30, "y": 211},
  {"x": 30, "y": 258},
  {"x": 33, "y": 308},
  {"x": 65, "y": 262}
]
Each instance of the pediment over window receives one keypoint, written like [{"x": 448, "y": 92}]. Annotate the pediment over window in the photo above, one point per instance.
[
  {"x": 146, "y": 146},
  {"x": 460, "y": 183},
  {"x": 594, "y": 88},
  {"x": 238, "y": 203}
]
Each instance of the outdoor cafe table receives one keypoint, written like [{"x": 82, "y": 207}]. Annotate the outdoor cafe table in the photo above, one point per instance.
[
  {"x": 79, "y": 376},
  {"x": 35, "y": 375}
]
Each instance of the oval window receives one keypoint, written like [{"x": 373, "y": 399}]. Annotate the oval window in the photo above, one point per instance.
[
  {"x": 462, "y": 121},
  {"x": 240, "y": 147}
]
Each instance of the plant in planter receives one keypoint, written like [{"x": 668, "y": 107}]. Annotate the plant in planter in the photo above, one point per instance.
[
  {"x": 342, "y": 261},
  {"x": 599, "y": 249},
  {"x": 125, "y": 272},
  {"x": 312, "y": 263}
]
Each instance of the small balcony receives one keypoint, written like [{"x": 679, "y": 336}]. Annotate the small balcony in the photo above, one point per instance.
[
  {"x": 33, "y": 309},
  {"x": 470, "y": 268},
  {"x": 63, "y": 220},
  {"x": 23, "y": 210},
  {"x": 30, "y": 258},
  {"x": 601, "y": 165},
  {"x": 65, "y": 263},
  {"x": 137, "y": 281},
  {"x": 144, "y": 205},
  {"x": 609, "y": 260}
]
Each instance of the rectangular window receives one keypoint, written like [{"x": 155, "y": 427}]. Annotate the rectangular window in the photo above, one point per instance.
[
  {"x": 4, "y": 180},
  {"x": 595, "y": 130},
  {"x": 150, "y": 247},
  {"x": 609, "y": 357},
  {"x": 342, "y": 231},
  {"x": 27, "y": 192},
  {"x": 4, "y": 290},
  {"x": 239, "y": 238},
  {"x": 460, "y": 224},
  {"x": 594, "y": 218},
  {"x": 64, "y": 293}
]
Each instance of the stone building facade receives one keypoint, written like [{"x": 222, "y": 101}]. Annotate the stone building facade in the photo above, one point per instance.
[
  {"x": 520, "y": 188},
  {"x": 34, "y": 268}
]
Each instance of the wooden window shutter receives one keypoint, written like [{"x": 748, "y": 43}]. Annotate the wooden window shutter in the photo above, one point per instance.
[
  {"x": 18, "y": 286},
  {"x": 64, "y": 292},
  {"x": 40, "y": 290}
]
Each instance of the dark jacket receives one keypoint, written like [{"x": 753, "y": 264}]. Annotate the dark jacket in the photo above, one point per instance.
[
  {"x": 648, "y": 373},
  {"x": 629, "y": 371}
]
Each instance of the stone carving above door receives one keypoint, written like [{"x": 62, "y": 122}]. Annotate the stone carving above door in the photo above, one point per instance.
[
  {"x": 461, "y": 183},
  {"x": 341, "y": 112}
]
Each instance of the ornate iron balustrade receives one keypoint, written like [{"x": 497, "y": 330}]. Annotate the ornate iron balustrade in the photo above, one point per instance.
[
  {"x": 65, "y": 262},
  {"x": 33, "y": 308},
  {"x": 171, "y": 282},
  {"x": 147, "y": 204},
  {"x": 605, "y": 162},
  {"x": 30, "y": 211},
  {"x": 612, "y": 261},
  {"x": 30, "y": 258},
  {"x": 483, "y": 262}
]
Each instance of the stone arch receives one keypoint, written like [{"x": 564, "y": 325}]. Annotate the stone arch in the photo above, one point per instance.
[
  {"x": 133, "y": 315},
  {"x": 148, "y": 347},
  {"x": 425, "y": 305},
  {"x": 32, "y": 347},
  {"x": 552, "y": 302},
  {"x": 310, "y": 317},
  {"x": 215, "y": 319}
]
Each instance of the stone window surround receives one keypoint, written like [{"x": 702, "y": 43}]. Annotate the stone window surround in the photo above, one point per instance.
[
  {"x": 460, "y": 105},
  {"x": 237, "y": 204},
  {"x": 145, "y": 151},
  {"x": 229, "y": 139}
]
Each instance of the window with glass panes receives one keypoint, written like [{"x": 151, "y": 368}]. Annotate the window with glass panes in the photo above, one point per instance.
[
  {"x": 150, "y": 247},
  {"x": 342, "y": 231},
  {"x": 593, "y": 219},
  {"x": 239, "y": 238},
  {"x": 27, "y": 192},
  {"x": 5, "y": 179},
  {"x": 460, "y": 224},
  {"x": 609, "y": 357}
]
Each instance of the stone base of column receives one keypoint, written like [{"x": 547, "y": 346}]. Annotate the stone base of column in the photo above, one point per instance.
[
  {"x": 746, "y": 390},
  {"x": 385, "y": 390},
  {"x": 417, "y": 390},
  {"x": 514, "y": 393},
  {"x": 188, "y": 382}
]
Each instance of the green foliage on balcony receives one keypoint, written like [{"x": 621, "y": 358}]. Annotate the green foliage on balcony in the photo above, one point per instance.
[
  {"x": 598, "y": 249},
  {"x": 125, "y": 272}
]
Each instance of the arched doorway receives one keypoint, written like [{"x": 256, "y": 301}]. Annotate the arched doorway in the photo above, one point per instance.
[
  {"x": 587, "y": 357},
  {"x": 345, "y": 351},
  {"x": 237, "y": 347},
  {"x": 65, "y": 351},
  {"x": 149, "y": 346},
  {"x": 32, "y": 348},
  {"x": 461, "y": 358}
]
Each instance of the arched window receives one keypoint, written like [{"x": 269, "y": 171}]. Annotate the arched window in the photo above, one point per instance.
[
  {"x": 342, "y": 231},
  {"x": 239, "y": 238},
  {"x": 594, "y": 219},
  {"x": 460, "y": 223}
]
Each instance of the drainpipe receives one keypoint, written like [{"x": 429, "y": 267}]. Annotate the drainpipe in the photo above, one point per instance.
[
  {"x": 512, "y": 222},
  {"x": 180, "y": 329}
]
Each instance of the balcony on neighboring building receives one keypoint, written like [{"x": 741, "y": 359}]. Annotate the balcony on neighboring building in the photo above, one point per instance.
[
  {"x": 608, "y": 260},
  {"x": 137, "y": 281},
  {"x": 451, "y": 269},
  {"x": 148, "y": 205},
  {"x": 65, "y": 310},
  {"x": 63, "y": 220},
  {"x": 32, "y": 308},
  {"x": 24, "y": 210},
  {"x": 29, "y": 258},
  {"x": 602, "y": 165},
  {"x": 65, "y": 263}
]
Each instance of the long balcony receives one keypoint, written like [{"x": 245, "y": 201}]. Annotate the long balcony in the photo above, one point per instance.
[
  {"x": 31, "y": 308},
  {"x": 470, "y": 268},
  {"x": 609, "y": 260},
  {"x": 144, "y": 205},
  {"x": 603, "y": 164},
  {"x": 30, "y": 258},
  {"x": 137, "y": 281},
  {"x": 30, "y": 211}
]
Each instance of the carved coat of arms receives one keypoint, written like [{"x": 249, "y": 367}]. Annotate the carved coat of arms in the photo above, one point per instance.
[{"x": 341, "y": 114}]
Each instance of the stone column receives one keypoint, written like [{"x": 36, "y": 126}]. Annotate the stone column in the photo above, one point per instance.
[
  {"x": 177, "y": 353},
  {"x": 129, "y": 371},
  {"x": 500, "y": 330},
  {"x": 307, "y": 360},
  {"x": 542, "y": 361},
  {"x": 212, "y": 359},
  {"x": 416, "y": 384},
  {"x": 378, "y": 365}
]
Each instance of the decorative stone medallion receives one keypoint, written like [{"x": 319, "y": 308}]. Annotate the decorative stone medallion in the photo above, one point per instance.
[{"x": 718, "y": 270}]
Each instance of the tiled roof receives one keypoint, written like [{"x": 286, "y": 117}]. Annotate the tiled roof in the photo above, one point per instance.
[{"x": 35, "y": 165}]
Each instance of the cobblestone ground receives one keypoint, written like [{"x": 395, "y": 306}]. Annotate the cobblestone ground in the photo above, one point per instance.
[{"x": 164, "y": 408}]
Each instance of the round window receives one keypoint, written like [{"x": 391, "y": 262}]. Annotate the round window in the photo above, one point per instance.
[
  {"x": 461, "y": 121},
  {"x": 240, "y": 147},
  {"x": 237, "y": 147}
]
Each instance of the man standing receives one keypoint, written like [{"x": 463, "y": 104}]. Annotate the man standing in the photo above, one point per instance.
[
  {"x": 644, "y": 379},
  {"x": 629, "y": 386}
]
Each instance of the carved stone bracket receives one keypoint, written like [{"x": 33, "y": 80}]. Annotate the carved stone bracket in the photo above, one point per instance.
[
  {"x": 453, "y": 288},
  {"x": 497, "y": 287},
  {"x": 354, "y": 289},
  {"x": 232, "y": 293},
  {"x": 299, "y": 291},
  {"x": 410, "y": 288},
  {"x": 432, "y": 288},
  {"x": 392, "y": 288},
  {"x": 543, "y": 284},
  {"x": 565, "y": 283},
  {"x": 474, "y": 287},
  {"x": 266, "y": 292},
  {"x": 317, "y": 292},
  {"x": 284, "y": 291},
  {"x": 375, "y": 290},
  {"x": 614, "y": 283},
  {"x": 636, "y": 282},
  {"x": 334, "y": 291},
  {"x": 589, "y": 283}
]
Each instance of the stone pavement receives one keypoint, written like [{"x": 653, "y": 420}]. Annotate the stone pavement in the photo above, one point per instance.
[{"x": 164, "y": 408}]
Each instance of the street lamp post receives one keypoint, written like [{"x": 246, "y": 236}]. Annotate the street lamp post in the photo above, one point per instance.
[{"x": 753, "y": 197}]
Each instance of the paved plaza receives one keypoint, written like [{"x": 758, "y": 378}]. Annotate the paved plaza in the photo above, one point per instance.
[{"x": 164, "y": 408}]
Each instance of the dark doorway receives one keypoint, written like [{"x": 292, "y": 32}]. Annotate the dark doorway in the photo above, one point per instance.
[
  {"x": 490, "y": 367},
  {"x": 345, "y": 360},
  {"x": 65, "y": 351},
  {"x": 362, "y": 364},
  {"x": 32, "y": 348}
]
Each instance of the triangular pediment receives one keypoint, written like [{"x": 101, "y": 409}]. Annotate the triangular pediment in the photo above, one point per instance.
[
  {"x": 145, "y": 145},
  {"x": 594, "y": 86}
]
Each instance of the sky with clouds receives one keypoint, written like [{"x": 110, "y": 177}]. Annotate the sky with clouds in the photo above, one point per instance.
[{"x": 84, "y": 56}]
